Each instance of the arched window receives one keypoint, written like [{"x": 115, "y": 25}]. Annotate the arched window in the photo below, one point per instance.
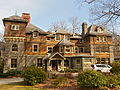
[{"x": 14, "y": 47}]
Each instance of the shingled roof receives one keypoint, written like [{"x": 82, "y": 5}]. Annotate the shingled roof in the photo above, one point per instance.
[
  {"x": 62, "y": 31},
  {"x": 92, "y": 28},
  {"x": 32, "y": 28},
  {"x": 15, "y": 18},
  {"x": 65, "y": 42}
]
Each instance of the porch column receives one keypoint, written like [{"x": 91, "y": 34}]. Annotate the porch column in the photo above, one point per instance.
[
  {"x": 62, "y": 65},
  {"x": 48, "y": 65}
]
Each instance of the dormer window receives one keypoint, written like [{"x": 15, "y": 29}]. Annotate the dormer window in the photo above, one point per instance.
[
  {"x": 35, "y": 34},
  {"x": 14, "y": 27},
  {"x": 58, "y": 37}
]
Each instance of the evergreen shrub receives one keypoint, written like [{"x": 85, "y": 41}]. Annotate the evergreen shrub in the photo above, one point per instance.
[
  {"x": 33, "y": 75},
  {"x": 91, "y": 79}
]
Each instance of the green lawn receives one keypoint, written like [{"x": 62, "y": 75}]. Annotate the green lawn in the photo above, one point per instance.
[{"x": 18, "y": 86}]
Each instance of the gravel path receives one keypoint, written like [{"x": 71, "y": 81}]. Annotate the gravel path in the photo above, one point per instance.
[{"x": 10, "y": 80}]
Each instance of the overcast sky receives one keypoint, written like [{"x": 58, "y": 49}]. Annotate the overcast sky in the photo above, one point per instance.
[{"x": 43, "y": 12}]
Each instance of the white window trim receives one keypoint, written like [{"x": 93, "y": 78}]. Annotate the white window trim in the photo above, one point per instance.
[
  {"x": 56, "y": 39},
  {"x": 33, "y": 47},
  {"x": 34, "y": 34},
  {"x": 75, "y": 49},
  {"x": 37, "y": 62},
  {"x": 48, "y": 40},
  {"x": 17, "y": 27},
  {"x": 66, "y": 51},
  {"x": 60, "y": 49}
]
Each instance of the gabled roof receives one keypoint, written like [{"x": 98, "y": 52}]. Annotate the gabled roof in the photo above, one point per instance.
[
  {"x": 65, "y": 42},
  {"x": 52, "y": 55},
  {"x": 32, "y": 28},
  {"x": 62, "y": 31},
  {"x": 92, "y": 31}
]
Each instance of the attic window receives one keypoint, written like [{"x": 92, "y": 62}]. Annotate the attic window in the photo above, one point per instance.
[
  {"x": 14, "y": 27},
  {"x": 58, "y": 37},
  {"x": 35, "y": 34}
]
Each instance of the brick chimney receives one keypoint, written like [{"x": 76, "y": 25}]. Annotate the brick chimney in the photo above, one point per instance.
[
  {"x": 84, "y": 29},
  {"x": 26, "y": 16}
]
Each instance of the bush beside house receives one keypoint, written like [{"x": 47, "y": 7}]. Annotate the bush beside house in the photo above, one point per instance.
[
  {"x": 116, "y": 67},
  {"x": 94, "y": 79},
  {"x": 33, "y": 75}
]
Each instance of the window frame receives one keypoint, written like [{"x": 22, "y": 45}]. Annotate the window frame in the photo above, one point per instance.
[
  {"x": 56, "y": 37},
  {"x": 35, "y": 34},
  {"x": 61, "y": 49},
  {"x": 39, "y": 62},
  {"x": 15, "y": 27},
  {"x": 48, "y": 49},
  {"x": 16, "y": 48},
  {"x": 67, "y": 48},
  {"x": 13, "y": 64},
  {"x": 33, "y": 49}
]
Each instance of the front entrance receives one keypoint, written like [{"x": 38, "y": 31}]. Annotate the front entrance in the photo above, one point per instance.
[{"x": 54, "y": 64}]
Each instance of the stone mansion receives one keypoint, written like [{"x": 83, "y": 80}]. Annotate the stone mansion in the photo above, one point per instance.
[{"x": 28, "y": 45}]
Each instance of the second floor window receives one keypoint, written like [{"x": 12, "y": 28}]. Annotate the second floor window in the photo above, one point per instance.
[
  {"x": 76, "y": 49},
  {"x": 101, "y": 39},
  {"x": 81, "y": 50},
  {"x": 67, "y": 49},
  {"x": 61, "y": 49},
  {"x": 13, "y": 63},
  {"x": 58, "y": 37},
  {"x": 14, "y": 47},
  {"x": 14, "y": 27},
  {"x": 35, "y": 48},
  {"x": 50, "y": 49}
]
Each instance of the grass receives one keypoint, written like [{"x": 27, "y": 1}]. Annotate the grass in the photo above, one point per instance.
[{"x": 18, "y": 86}]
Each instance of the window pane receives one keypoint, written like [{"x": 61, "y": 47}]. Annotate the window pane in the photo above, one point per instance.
[
  {"x": 13, "y": 63},
  {"x": 49, "y": 49},
  {"x": 39, "y": 62},
  {"x": 14, "y": 47}
]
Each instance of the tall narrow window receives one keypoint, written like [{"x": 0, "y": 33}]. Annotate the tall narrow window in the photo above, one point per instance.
[
  {"x": 50, "y": 49},
  {"x": 14, "y": 27},
  {"x": 58, "y": 37},
  {"x": 81, "y": 50},
  {"x": 13, "y": 63},
  {"x": 61, "y": 49},
  {"x": 14, "y": 47},
  {"x": 67, "y": 49},
  {"x": 76, "y": 49},
  {"x": 35, "y": 48},
  {"x": 39, "y": 62}
]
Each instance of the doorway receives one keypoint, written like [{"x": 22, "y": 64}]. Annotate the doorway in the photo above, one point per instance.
[{"x": 54, "y": 64}]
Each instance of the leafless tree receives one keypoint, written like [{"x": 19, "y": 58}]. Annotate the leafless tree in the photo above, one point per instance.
[
  {"x": 75, "y": 24},
  {"x": 58, "y": 25},
  {"x": 105, "y": 12}
]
